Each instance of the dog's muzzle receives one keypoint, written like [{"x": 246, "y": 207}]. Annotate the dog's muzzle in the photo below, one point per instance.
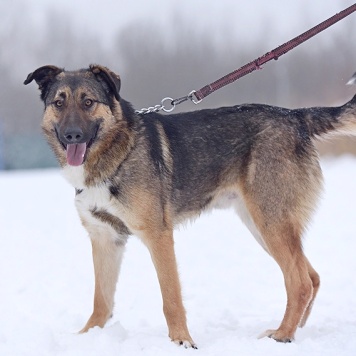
[{"x": 76, "y": 142}]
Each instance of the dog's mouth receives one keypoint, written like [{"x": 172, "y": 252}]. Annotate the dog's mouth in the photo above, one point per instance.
[{"x": 77, "y": 152}]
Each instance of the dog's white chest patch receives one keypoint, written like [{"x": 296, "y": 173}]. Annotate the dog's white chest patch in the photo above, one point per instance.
[
  {"x": 90, "y": 199},
  {"x": 92, "y": 203},
  {"x": 94, "y": 198}
]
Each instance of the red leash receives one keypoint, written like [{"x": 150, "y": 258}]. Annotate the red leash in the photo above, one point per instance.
[
  {"x": 274, "y": 54},
  {"x": 250, "y": 67}
]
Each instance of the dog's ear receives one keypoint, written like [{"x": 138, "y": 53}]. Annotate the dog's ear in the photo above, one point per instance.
[
  {"x": 111, "y": 79},
  {"x": 43, "y": 76}
]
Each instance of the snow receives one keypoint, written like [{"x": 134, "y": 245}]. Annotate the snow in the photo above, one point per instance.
[{"x": 233, "y": 290}]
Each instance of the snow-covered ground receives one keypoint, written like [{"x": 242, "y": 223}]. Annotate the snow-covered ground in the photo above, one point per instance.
[{"x": 232, "y": 290}]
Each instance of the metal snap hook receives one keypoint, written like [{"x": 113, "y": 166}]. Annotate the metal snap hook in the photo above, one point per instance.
[{"x": 195, "y": 101}]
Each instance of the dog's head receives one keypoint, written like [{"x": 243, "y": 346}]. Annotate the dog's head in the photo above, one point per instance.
[{"x": 79, "y": 107}]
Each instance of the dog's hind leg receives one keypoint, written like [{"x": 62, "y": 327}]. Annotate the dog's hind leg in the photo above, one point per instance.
[
  {"x": 299, "y": 265},
  {"x": 284, "y": 245},
  {"x": 107, "y": 257},
  {"x": 316, "y": 284},
  {"x": 281, "y": 234},
  {"x": 280, "y": 192}
]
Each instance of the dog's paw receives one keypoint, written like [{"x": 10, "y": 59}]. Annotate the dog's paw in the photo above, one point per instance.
[
  {"x": 187, "y": 344},
  {"x": 277, "y": 335}
]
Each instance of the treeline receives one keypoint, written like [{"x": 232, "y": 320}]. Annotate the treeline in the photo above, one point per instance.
[{"x": 153, "y": 65}]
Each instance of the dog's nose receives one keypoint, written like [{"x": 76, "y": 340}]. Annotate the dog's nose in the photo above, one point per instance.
[{"x": 74, "y": 135}]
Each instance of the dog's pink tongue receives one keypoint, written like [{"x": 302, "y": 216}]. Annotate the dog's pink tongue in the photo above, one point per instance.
[{"x": 75, "y": 153}]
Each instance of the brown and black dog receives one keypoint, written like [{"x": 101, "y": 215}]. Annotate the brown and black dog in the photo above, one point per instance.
[{"x": 144, "y": 174}]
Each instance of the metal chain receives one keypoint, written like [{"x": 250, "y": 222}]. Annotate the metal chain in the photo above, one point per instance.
[
  {"x": 173, "y": 103},
  {"x": 150, "y": 109},
  {"x": 158, "y": 107}
]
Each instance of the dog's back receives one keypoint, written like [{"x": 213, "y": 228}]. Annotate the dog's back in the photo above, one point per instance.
[{"x": 255, "y": 144}]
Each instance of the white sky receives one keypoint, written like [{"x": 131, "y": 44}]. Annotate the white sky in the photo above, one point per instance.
[{"x": 250, "y": 18}]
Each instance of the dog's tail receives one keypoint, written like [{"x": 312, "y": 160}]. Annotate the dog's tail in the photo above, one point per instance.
[{"x": 324, "y": 121}]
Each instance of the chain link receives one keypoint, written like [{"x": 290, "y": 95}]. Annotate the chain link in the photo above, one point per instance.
[
  {"x": 150, "y": 109},
  {"x": 172, "y": 102}
]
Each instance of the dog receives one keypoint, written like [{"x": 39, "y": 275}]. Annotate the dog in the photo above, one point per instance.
[{"x": 145, "y": 174}]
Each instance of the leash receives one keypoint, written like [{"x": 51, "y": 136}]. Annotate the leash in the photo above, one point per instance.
[{"x": 196, "y": 96}]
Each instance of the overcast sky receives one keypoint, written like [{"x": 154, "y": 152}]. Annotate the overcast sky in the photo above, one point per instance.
[
  {"x": 241, "y": 18},
  {"x": 266, "y": 24}
]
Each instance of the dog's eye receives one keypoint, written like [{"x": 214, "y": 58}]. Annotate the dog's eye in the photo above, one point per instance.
[
  {"x": 88, "y": 103},
  {"x": 58, "y": 103}
]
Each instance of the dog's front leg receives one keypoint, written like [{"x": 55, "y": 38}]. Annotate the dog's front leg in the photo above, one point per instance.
[
  {"x": 107, "y": 257},
  {"x": 161, "y": 247}
]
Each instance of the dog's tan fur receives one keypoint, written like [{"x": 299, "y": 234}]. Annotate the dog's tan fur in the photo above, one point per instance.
[{"x": 143, "y": 175}]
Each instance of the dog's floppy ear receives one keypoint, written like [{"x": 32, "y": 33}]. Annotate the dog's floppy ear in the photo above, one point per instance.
[
  {"x": 43, "y": 76},
  {"x": 111, "y": 79}
]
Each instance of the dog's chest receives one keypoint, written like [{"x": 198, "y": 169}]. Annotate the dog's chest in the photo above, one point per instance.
[
  {"x": 90, "y": 200},
  {"x": 93, "y": 199}
]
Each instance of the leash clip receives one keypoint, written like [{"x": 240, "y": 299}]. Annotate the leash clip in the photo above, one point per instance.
[{"x": 195, "y": 101}]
